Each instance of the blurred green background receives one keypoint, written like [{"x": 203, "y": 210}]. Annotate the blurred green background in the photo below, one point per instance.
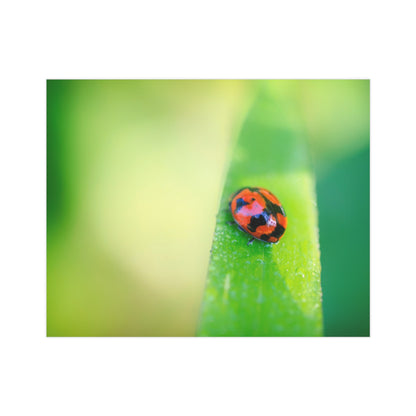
[{"x": 134, "y": 176}]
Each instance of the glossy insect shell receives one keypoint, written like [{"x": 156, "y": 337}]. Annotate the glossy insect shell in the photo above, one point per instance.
[{"x": 258, "y": 212}]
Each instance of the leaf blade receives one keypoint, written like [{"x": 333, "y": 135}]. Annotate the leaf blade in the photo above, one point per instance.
[{"x": 262, "y": 289}]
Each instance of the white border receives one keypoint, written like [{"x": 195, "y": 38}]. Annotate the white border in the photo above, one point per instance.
[{"x": 207, "y": 376}]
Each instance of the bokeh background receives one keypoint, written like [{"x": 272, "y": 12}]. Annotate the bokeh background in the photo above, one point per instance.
[{"x": 134, "y": 176}]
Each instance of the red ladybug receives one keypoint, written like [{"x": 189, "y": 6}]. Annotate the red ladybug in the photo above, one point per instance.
[{"x": 258, "y": 212}]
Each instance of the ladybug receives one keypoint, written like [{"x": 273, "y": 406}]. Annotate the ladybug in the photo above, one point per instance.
[{"x": 258, "y": 212}]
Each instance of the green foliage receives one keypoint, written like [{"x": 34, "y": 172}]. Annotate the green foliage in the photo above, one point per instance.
[
  {"x": 344, "y": 214},
  {"x": 267, "y": 289},
  {"x": 120, "y": 151}
]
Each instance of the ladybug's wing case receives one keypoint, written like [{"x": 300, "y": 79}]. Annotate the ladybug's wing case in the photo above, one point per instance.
[
  {"x": 275, "y": 206},
  {"x": 259, "y": 213}
]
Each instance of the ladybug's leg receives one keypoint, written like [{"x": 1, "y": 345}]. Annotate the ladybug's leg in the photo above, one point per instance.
[{"x": 250, "y": 242}]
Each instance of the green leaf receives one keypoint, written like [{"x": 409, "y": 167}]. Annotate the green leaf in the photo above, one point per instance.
[{"x": 267, "y": 289}]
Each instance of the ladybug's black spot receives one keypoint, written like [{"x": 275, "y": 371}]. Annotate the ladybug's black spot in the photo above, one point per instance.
[
  {"x": 271, "y": 207},
  {"x": 240, "y": 203},
  {"x": 277, "y": 232},
  {"x": 278, "y": 209},
  {"x": 257, "y": 220}
]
